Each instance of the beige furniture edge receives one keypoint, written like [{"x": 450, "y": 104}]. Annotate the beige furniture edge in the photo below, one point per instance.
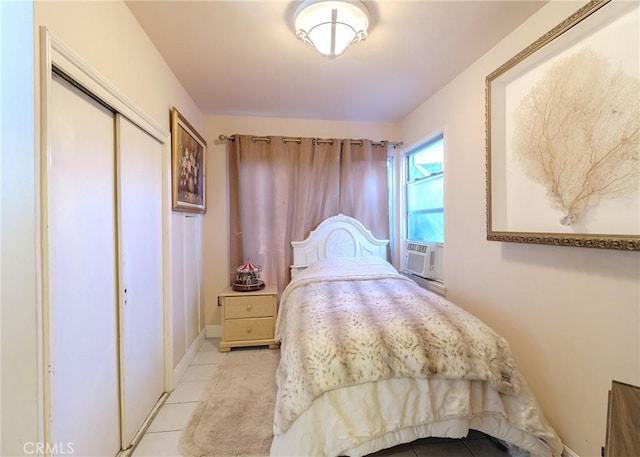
[{"x": 248, "y": 318}]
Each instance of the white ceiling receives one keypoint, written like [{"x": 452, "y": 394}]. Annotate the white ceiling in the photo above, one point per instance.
[{"x": 242, "y": 58}]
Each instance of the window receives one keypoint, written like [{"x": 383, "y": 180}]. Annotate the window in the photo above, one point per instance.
[
  {"x": 391, "y": 185},
  {"x": 425, "y": 192}
]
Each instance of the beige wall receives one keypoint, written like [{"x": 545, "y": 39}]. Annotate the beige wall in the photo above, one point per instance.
[
  {"x": 215, "y": 228},
  {"x": 18, "y": 300},
  {"x": 107, "y": 37},
  {"x": 571, "y": 315}
]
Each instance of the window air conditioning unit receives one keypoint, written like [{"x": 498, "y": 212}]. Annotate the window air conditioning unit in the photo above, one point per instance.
[{"x": 425, "y": 260}]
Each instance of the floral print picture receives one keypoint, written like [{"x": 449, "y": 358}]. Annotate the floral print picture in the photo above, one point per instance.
[{"x": 188, "y": 171}]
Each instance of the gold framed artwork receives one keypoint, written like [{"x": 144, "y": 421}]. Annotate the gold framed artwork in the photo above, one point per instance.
[
  {"x": 188, "y": 155},
  {"x": 563, "y": 134}
]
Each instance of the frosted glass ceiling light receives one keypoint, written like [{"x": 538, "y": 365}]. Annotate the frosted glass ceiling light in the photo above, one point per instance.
[{"x": 331, "y": 26}]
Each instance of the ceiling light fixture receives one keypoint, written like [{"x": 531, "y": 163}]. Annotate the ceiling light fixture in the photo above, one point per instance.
[{"x": 331, "y": 26}]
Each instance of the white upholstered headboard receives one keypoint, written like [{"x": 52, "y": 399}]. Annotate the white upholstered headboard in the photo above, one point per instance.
[{"x": 336, "y": 236}]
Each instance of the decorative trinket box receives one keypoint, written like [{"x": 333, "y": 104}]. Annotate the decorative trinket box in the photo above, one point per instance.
[{"x": 248, "y": 278}]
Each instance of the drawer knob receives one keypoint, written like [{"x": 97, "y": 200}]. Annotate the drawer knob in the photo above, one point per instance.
[
  {"x": 249, "y": 307},
  {"x": 249, "y": 329}
]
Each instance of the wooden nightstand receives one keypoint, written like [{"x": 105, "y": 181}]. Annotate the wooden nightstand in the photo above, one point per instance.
[
  {"x": 623, "y": 417},
  {"x": 249, "y": 318}
]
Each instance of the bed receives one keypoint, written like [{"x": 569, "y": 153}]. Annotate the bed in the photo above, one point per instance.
[{"x": 370, "y": 360}]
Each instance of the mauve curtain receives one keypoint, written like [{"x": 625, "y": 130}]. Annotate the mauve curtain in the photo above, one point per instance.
[
  {"x": 280, "y": 190},
  {"x": 363, "y": 185}
]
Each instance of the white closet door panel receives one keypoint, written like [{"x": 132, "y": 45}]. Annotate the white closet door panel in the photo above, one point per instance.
[
  {"x": 192, "y": 249},
  {"x": 82, "y": 274},
  {"x": 178, "y": 288},
  {"x": 141, "y": 291}
]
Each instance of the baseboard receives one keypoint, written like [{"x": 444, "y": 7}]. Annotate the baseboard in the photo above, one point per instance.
[
  {"x": 182, "y": 366},
  {"x": 214, "y": 331},
  {"x": 568, "y": 452}
]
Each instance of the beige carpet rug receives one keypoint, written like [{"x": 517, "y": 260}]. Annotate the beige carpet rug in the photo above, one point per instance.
[{"x": 235, "y": 416}]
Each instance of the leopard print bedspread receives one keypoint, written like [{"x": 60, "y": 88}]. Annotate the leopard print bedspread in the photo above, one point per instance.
[{"x": 341, "y": 327}]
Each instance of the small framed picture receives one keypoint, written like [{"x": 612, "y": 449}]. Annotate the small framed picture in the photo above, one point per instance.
[{"x": 188, "y": 154}]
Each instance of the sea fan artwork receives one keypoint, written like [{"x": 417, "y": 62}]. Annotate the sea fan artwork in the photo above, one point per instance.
[{"x": 577, "y": 133}]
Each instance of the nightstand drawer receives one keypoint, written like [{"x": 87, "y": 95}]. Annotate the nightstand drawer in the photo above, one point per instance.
[
  {"x": 248, "y": 318},
  {"x": 248, "y": 329},
  {"x": 248, "y": 306}
]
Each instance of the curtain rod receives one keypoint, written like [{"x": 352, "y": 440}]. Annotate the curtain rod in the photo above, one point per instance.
[{"x": 299, "y": 140}]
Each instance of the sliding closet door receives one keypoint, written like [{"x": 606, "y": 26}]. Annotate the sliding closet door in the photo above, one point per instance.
[
  {"x": 84, "y": 403},
  {"x": 141, "y": 294}
]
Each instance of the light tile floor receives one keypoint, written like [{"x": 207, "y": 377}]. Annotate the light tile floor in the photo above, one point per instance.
[{"x": 161, "y": 438}]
